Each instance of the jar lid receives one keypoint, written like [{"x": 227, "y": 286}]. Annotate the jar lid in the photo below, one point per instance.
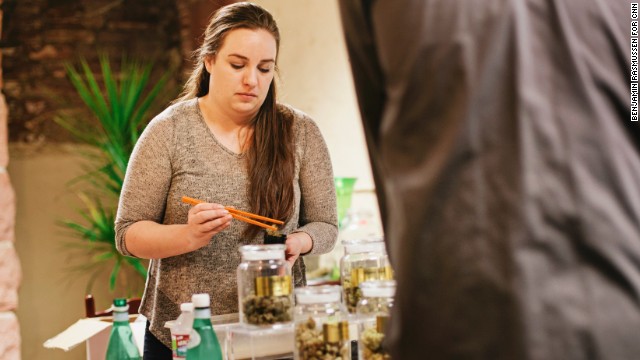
[
  {"x": 318, "y": 294},
  {"x": 355, "y": 246},
  {"x": 378, "y": 288},
  {"x": 262, "y": 252},
  {"x": 200, "y": 300}
]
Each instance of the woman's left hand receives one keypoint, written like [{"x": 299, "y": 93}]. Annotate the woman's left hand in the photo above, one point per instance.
[{"x": 296, "y": 244}]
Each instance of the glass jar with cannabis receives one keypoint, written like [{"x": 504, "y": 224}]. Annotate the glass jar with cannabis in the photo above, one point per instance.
[
  {"x": 373, "y": 312},
  {"x": 265, "y": 295},
  {"x": 321, "y": 326},
  {"x": 364, "y": 260}
]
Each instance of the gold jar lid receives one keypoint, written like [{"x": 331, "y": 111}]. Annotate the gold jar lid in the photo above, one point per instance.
[
  {"x": 273, "y": 285},
  {"x": 360, "y": 275},
  {"x": 381, "y": 323},
  {"x": 344, "y": 330},
  {"x": 335, "y": 332}
]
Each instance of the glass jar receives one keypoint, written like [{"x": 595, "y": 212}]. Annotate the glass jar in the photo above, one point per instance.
[
  {"x": 321, "y": 326},
  {"x": 373, "y": 312},
  {"x": 364, "y": 260},
  {"x": 265, "y": 295}
]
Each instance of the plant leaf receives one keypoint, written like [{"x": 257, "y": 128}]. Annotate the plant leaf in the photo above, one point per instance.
[
  {"x": 114, "y": 274},
  {"x": 121, "y": 109}
]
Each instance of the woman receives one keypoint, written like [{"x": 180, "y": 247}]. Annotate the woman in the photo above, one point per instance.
[{"x": 228, "y": 142}]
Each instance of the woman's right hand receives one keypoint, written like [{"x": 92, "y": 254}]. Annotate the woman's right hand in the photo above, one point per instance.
[{"x": 204, "y": 221}]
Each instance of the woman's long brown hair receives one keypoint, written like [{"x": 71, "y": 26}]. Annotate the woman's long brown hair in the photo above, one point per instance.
[{"x": 270, "y": 155}]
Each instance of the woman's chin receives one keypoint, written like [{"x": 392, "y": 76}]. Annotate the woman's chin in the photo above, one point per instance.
[{"x": 246, "y": 109}]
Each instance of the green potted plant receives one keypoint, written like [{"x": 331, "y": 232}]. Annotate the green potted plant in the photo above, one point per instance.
[{"x": 121, "y": 110}]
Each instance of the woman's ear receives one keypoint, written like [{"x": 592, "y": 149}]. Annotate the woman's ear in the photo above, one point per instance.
[{"x": 208, "y": 62}]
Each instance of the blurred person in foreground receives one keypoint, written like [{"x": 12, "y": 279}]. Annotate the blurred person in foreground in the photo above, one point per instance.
[
  {"x": 508, "y": 174},
  {"x": 228, "y": 142}
]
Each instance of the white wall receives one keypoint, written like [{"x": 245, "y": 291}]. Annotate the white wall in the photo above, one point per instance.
[
  {"x": 316, "y": 78},
  {"x": 51, "y": 297}
]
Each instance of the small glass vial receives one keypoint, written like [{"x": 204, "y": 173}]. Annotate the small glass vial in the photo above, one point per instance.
[
  {"x": 373, "y": 314},
  {"x": 321, "y": 325},
  {"x": 364, "y": 260},
  {"x": 265, "y": 295}
]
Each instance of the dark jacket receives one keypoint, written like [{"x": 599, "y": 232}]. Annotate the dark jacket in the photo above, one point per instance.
[{"x": 508, "y": 172}]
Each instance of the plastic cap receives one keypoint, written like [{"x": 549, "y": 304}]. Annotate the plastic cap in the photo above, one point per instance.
[
  {"x": 378, "y": 288},
  {"x": 201, "y": 300},
  {"x": 262, "y": 252},
  {"x": 319, "y": 294},
  {"x": 120, "y": 305},
  {"x": 186, "y": 306},
  {"x": 356, "y": 246}
]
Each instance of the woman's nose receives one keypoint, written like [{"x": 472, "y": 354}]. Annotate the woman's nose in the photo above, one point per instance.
[{"x": 251, "y": 77}]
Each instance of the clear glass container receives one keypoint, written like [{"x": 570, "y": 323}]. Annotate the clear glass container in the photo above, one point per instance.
[
  {"x": 373, "y": 312},
  {"x": 364, "y": 260},
  {"x": 321, "y": 325},
  {"x": 265, "y": 287}
]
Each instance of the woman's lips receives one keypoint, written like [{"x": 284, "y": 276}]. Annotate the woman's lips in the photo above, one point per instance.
[{"x": 247, "y": 95}]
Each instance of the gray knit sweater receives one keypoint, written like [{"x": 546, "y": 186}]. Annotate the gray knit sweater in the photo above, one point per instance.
[{"x": 177, "y": 155}]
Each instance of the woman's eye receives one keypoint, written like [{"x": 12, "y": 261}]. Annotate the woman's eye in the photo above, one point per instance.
[
  {"x": 264, "y": 70},
  {"x": 236, "y": 66}
]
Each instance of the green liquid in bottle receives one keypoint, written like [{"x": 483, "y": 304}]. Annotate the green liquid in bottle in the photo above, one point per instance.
[
  {"x": 121, "y": 345},
  {"x": 203, "y": 344}
]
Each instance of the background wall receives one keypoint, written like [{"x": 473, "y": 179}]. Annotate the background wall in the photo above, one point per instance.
[
  {"x": 315, "y": 78},
  {"x": 39, "y": 36},
  {"x": 51, "y": 298}
]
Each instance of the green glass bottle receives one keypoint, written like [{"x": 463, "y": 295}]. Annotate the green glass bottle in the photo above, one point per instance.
[
  {"x": 203, "y": 343},
  {"x": 121, "y": 345}
]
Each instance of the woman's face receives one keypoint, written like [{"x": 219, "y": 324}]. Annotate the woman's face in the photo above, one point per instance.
[{"x": 242, "y": 71}]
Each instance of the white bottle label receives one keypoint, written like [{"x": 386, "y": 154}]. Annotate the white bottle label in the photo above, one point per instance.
[{"x": 194, "y": 339}]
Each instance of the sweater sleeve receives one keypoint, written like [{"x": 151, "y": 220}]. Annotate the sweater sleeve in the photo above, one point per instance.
[
  {"x": 318, "y": 209},
  {"x": 147, "y": 180}
]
